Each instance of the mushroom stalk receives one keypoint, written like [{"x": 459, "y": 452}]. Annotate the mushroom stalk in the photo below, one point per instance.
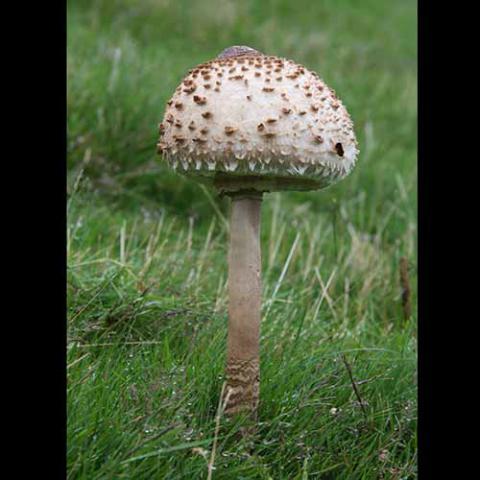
[{"x": 244, "y": 290}]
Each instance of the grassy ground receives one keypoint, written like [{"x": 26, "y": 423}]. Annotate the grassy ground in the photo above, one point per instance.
[{"x": 147, "y": 254}]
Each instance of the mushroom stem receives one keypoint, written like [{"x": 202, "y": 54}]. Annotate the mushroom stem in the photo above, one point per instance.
[{"x": 244, "y": 289}]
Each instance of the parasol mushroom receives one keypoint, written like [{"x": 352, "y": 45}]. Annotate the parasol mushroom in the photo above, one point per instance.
[{"x": 248, "y": 123}]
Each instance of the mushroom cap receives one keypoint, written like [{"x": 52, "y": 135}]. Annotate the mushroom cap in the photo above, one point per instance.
[{"x": 249, "y": 121}]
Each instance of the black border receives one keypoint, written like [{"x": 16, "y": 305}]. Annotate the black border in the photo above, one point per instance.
[
  {"x": 37, "y": 94},
  {"x": 446, "y": 432}
]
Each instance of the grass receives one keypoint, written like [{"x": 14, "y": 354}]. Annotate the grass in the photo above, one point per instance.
[{"x": 147, "y": 254}]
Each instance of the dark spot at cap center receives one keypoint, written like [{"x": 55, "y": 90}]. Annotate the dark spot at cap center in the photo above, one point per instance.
[{"x": 238, "y": 50}]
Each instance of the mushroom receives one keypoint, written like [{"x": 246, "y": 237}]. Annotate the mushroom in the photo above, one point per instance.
[{"x": 256, "y": 138}]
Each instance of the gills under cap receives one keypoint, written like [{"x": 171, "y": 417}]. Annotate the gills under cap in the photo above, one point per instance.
[{"x": 245, "y": 120}]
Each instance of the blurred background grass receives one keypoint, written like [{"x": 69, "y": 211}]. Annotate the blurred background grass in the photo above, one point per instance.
[{"x": 147, "y": 250}]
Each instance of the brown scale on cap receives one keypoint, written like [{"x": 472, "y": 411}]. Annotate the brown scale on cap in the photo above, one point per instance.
[
  {"x": 199, "y": 100},
  {"x": 207, "y": 115},
  {"x": 207, "y": 86},
  {"x": 230, "y": 130},
  {"x": 286, "y": 111},
  {"x": 179, "y": 139},
  {"x": 191, "y": 125},
  {"x": 161, "y": 147},
  {"x": 318, "y": 139},
  {"x": 178, "y": 105},
  {"x": 268, "y": 89},
  {"x": 270, "y": 120},
  {"x": 260, "y": 127}
]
